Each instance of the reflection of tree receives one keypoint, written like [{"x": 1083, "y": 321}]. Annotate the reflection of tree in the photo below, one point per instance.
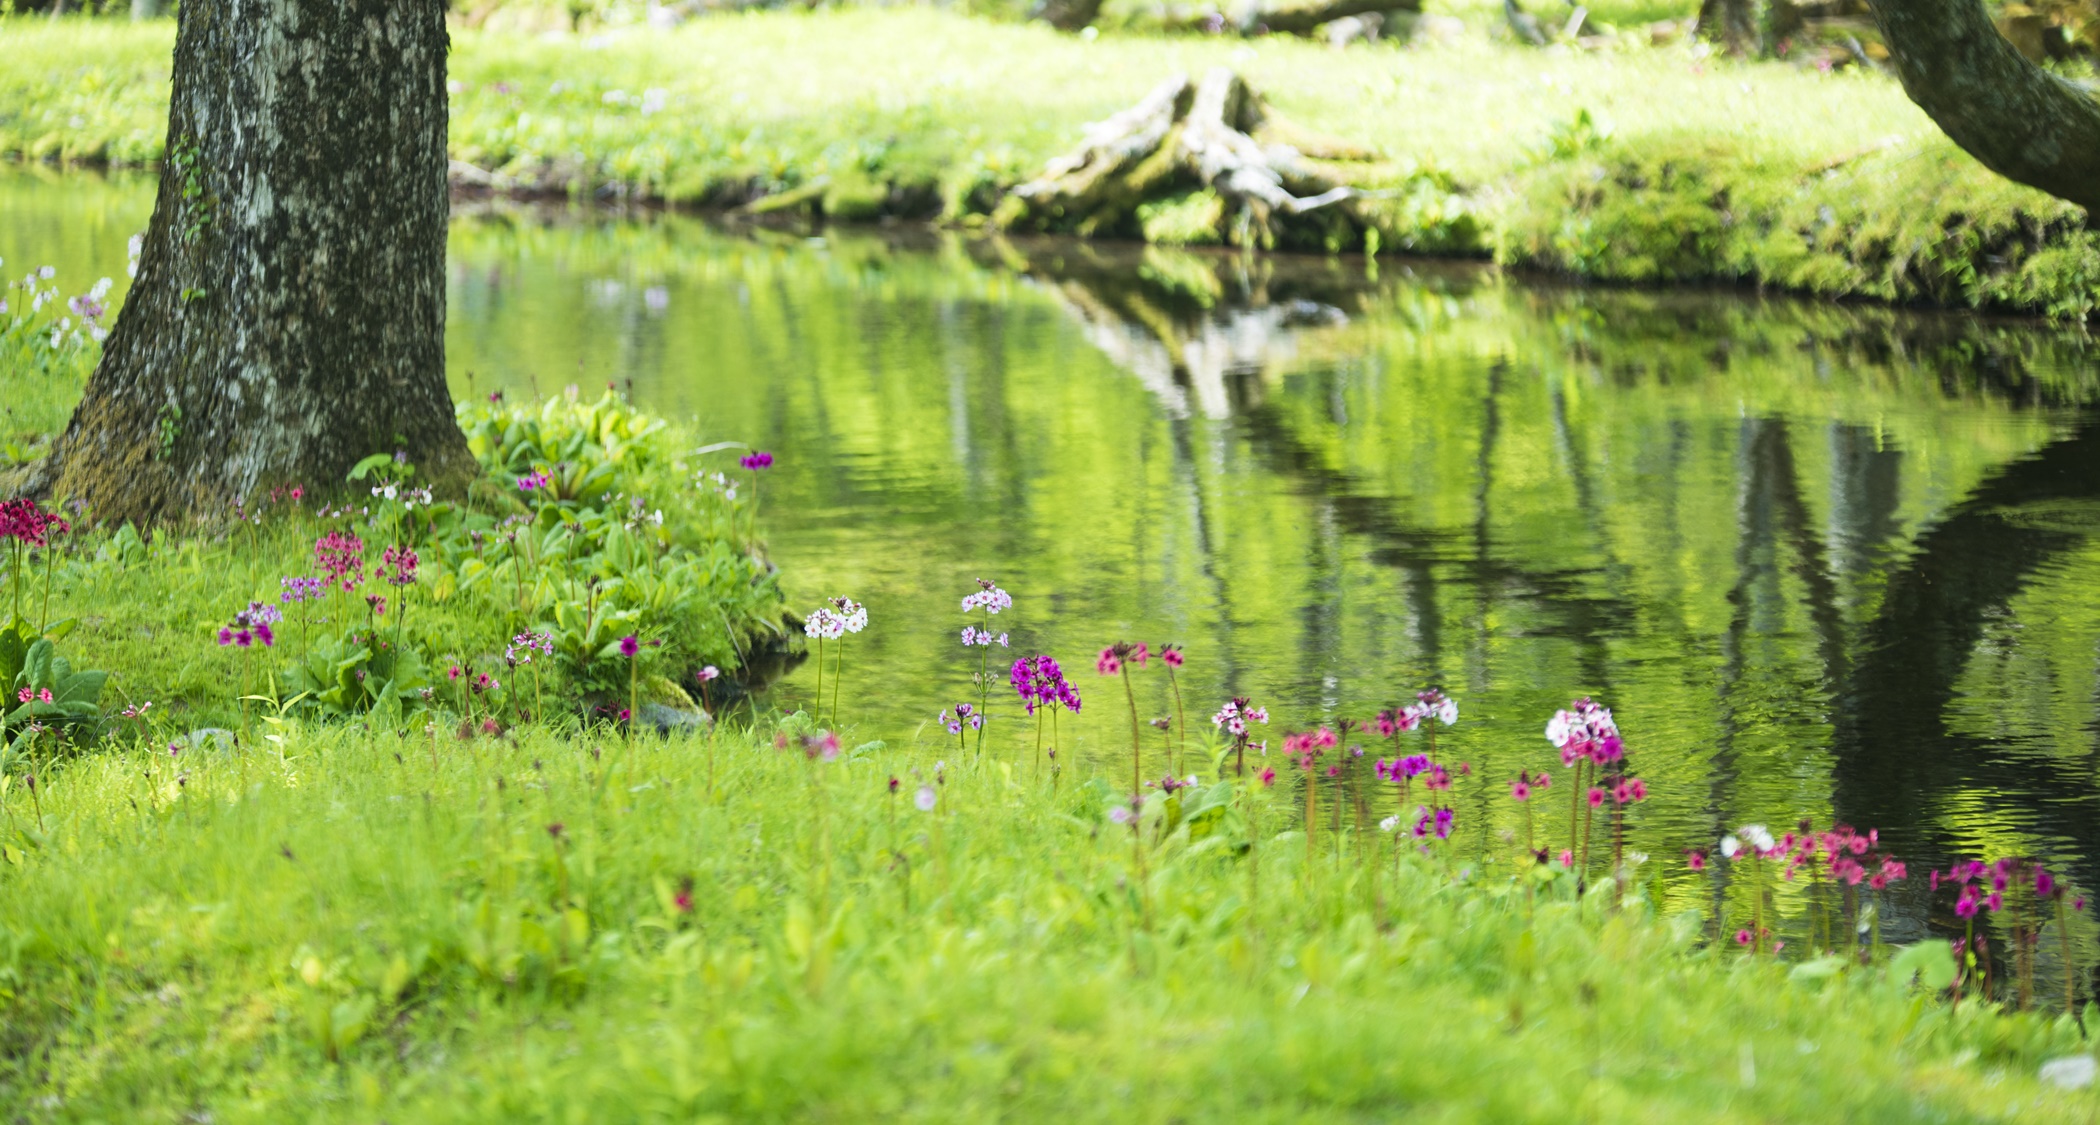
[
  {"x": 1211, "y": 336},
  {"x": 1898, "y": 761}
]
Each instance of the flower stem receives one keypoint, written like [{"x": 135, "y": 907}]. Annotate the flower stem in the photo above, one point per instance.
[
  {"x": 1181, "y": 724},
  {"x": 1137, "y": 781}
]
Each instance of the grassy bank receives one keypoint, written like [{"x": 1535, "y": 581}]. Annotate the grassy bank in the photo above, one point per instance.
[
  {"x": 1631, "y": 163},
  {"x": 354, "y": 926}
]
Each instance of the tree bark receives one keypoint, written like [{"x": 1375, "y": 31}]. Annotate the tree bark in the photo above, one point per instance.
[
  {"x": 2017, "y": 119},
  {"x": 288, "y": 315}
]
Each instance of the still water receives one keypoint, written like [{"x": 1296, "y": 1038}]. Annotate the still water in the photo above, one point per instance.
[{"x": 1823, "y": 561}]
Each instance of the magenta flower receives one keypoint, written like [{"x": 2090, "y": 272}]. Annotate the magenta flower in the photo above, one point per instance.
[
  {"x": 756, "y": 460},
  {"x": 629, "y": 646},
  {"x": 1444, "y": 817},
  {"x": 1268, "y": 777},
  {"x": 1108, "y": 663},
  {"x": 2044, "y": 884},
  {"x": 1596, "y": 798},
  {"x": 1171, "y": 654},
  {"x": 1742, "y": 937},
  {"x": 708, "y": 673},
  {"x": 225, "y": 636},
  {"x": 1695, "y": 859},
  {"x": 1520, "y": 790}
]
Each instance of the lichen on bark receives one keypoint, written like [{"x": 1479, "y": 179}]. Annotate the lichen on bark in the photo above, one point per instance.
[{"x": 288, "y": 314}]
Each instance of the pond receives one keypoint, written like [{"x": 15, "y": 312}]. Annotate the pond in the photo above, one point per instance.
[{"x": 1823, "y": 561}]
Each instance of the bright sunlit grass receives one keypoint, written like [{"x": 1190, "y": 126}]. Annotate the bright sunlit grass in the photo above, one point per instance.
[{"x": 355, "y": 925}]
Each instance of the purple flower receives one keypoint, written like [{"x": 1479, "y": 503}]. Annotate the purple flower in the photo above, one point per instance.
[
  {"x": 2044, "y": 884},
  {"x": 629, "y": 646},
  {"x": 756, "y": 460},
  {"x": 225, "y": 636},
  {"x": 1444, "y": 817}
]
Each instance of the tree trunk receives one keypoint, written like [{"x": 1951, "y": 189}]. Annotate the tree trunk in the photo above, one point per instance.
[
  {"x": 288, "y": 316},
  {"x": 2019, "y": 120}
]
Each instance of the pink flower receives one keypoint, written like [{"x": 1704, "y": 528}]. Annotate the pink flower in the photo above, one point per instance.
[
  {"x": 1695, "y": 859},
  {"x": 1323, "y": 738},
  {"x": 1596, "y": 798},
  {"x": 1139, "y": 654},
  {"x": 1170, "y": 654},
  {"x": 1268, "y": 777},
  {"x": 1567, "y": 857},
  {"x": 1108, "y": 664},
  {"x": 1742, "y": 937},
  {"x": 708, "y": 673},
  {"x": 629, "y": 646},
  {"x": 225, "y": 636},
  {"x": 1520, "y": 790}
]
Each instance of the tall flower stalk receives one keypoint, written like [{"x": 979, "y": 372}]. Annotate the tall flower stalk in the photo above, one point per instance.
[
  {"x": 823, "y": 624},
  {"x": 1042, "y": 686},
  {"x": 1171, "y": 656},
  {"x": 990, "y": 600},
  {"x": 853, "y": 617},
  {"x": 1235, "y": 718},
  {"x": 1115, "y": 660}
]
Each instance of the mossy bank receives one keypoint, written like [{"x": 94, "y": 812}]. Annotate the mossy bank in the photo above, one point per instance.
[{"x": 1624, "y": 163}]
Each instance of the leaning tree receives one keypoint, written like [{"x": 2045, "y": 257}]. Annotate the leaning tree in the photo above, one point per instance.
[
  {"x": 288, "y": 315},
  {"x": 2017, "y": 119}
]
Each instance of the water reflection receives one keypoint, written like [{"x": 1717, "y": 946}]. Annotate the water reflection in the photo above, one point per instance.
[{"x": 1824, "y": 561}]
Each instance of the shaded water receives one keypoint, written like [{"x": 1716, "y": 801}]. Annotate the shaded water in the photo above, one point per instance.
[{"x": 1826, "y": 562}]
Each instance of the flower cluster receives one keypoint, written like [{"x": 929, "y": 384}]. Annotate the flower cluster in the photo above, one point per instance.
[
  {"x": 535, "y": 481},
  {"x": 28, "y": 523},
  {"x": 850, "y": 613},
  {"x": 524, "y": 645},
  {"x": 1236, "y": 714},
  {"x": 251, "y": 625},
  {"x": 1406, "y": 769},
  {"x": 756, "y": 460},
  {"x": 988, "y": 598},
  {"x": 1304, "y": 750},
  {"x": 398, "y": 566},
  {"x": 1585, "y": 731},
  {"x": 1112, "y": 658},
  {"x": 965, "y": 715},
  {"x": 1039, "y": 680},
  {"x": 972, "y": 635},
  {"x": 823, "y": 625},
  {"x": 34, "y": 695},
  {"x": 341, "y": 556},
  {"x": 1434, "y": 823},
  {"x": 300, "y": 588}
]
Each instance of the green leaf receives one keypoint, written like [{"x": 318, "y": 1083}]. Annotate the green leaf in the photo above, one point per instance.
[
  {"x": 1932, "y": 962},
  {"x": 1819, "y": 969},
  {"x": 366, "y": 467}
]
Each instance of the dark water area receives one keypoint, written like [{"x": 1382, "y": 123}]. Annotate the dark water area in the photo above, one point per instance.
[{"x": 1826, "y": 562}]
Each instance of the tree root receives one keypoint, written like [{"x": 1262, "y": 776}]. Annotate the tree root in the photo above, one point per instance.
[{"x": 1185, "y": 138}]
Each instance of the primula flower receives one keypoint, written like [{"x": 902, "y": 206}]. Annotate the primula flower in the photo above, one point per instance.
[
  {"x": 1433, "y": 702},
  {"x": 1171, "y": 654},
  {"x": 852, "y": 615},
  {"x": 1596, "y": 797},
  {"x": 925, "y": 798},
  {"x": 1444, "y": 817},
  {"x": 989, "y": 598},
  {"x": 1567, "y": 857},
  {"x": 1520, "y": 789},
  {"x": 401, "y": 562},
  {"x": 1695, "y": 859},
  {"x": 710, "y": 672},
  {"x": 1742, "y": 937},
  {"x": 1108, "y": 663},
  {"x": 756, "y": 460},
  {"x": 1268, "y": 777},
  {"x": 2044, "y": 884},
  {"x": 824, "y": 625}
]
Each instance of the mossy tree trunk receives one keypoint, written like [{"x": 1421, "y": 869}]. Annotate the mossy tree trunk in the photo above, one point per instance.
[
  {"x": 2019, "y": 120},
  {"x": 288, "y": 315}
]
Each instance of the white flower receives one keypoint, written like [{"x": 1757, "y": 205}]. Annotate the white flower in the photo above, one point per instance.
[
  {"x": 1560, "y": 728},
  {"x": 47, "y": 273},
  {"x": 1729, "y": 846},
  {"x": 925, "y": 798},
  {"x": 1389, "y": 824},
  {"x": 824, "y": 625},
  {"x": 1448, "y": 711},
  {"x": 100, "y": 290},
  {"x": 1119, "y": 814},
  {"x": 1756, "y": 836}
]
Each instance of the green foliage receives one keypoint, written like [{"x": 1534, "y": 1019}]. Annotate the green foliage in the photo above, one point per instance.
[
  {"x": 355, "y": 673},
  {"x": 360, "y": 926}
]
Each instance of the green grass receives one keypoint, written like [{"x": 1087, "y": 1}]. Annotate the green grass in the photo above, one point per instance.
[
  {"x": 358, "y": 926},
  {"x": 1691, "y": 168}
]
